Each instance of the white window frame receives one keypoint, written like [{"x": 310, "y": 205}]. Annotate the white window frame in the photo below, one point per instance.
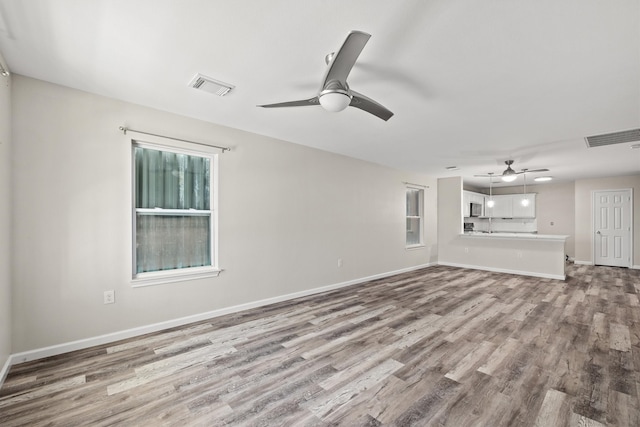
[
  {"x": 181, "y": 274},
  {"x": 420, "y": 216}
]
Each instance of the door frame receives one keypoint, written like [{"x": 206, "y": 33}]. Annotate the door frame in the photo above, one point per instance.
[{"x": 593, "y": 223}]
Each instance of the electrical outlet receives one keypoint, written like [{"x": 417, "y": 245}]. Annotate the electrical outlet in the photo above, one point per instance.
[
  {"x": 109, "y": 297},
  {"x": 466, "y": 250},
  {"x": 339, "y": 262},
  {"x": 519, "y": 254}
]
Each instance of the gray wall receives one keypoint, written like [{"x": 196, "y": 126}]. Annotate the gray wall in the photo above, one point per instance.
[
  {"x": 287, "y": 213},
  {"x": 5, "y": 221}
]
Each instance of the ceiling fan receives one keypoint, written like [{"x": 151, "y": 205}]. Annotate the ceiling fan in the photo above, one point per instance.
[
  {"x": 510, "y": 175},
  {"x": 335, "y": 94}
]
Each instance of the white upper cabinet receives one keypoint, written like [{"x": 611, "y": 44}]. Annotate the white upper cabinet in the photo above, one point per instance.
[
  {"x": 502, "y": 206},
  {"x": 524, "y": 205},
  {"x": 512, "y": 206}
]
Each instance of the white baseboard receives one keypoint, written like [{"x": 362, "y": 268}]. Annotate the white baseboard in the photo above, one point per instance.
[
  {"x": 502, "y": 270},
  {"x": 54, "y": 350},
  {"x": 633, "y": 267}
]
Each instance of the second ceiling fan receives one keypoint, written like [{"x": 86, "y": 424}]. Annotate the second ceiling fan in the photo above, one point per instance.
[{"x": 510, "y": 175}]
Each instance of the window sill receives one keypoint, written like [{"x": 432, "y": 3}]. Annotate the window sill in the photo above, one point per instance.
[
  {"x": 413, "y": 247},
  {"x": 162, "y": 277}
]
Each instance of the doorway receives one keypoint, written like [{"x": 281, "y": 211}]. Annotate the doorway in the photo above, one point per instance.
[{"x": 612, "y": 234}]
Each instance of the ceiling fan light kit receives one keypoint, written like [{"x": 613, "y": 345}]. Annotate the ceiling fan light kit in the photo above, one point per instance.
[
  {"x": 509, "y": 175},
  {"x": 334, "y": 94},
  {"x": 334, "y": 101}
]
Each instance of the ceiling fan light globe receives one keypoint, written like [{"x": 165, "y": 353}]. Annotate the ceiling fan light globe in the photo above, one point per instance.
[
  {"x": 509, "y": 177},
  {"x": 334, "y": 101}
]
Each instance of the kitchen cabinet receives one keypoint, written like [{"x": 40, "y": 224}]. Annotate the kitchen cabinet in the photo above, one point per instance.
[
  {"x": 510, "y": 206},
  {"x": 502, "y": 206},
  {"x": 469, "y": 197},
  {"x": 521, "y": 211}
]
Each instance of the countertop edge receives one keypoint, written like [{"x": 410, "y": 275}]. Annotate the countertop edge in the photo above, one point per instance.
[{"x": 516, "y": 236}]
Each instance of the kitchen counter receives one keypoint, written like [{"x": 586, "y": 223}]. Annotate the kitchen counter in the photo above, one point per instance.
[
  {"x": 521, "y": 236},
  {"x": 531, "y": 254}
]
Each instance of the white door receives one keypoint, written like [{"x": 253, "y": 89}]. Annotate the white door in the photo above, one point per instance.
[{"x": 612, "y": 228}]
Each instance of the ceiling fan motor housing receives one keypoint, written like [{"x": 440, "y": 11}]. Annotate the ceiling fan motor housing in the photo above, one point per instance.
[
  {"x": 334, "y": 96},
  {"x": 509, "y": 174},
  {"x": 334, "y": 100}
]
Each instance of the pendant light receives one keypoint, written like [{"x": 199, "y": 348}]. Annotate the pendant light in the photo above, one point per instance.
[
  {"x": 490, "y": 202},
  {"x": 525, "y": 200}
]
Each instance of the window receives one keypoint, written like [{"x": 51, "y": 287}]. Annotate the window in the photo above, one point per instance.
[
  {"x": 415, "y": 197},
  {"x": 174, "y": 218}
]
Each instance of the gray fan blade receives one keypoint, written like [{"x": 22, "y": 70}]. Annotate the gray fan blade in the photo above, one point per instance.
[
  {"x": 301, "y": 103},
  {"x": 370, "y": 106},
  {"x": 517, "y": 173},
  {"x": 344, "y": 59},
  {"x": 537, "y": 170}
]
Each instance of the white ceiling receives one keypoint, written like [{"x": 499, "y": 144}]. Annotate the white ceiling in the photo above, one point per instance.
[{"x": 472, "y": 83}]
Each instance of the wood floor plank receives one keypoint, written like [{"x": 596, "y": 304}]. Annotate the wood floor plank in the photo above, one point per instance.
[
  {"x": 440, "y": 346},
  {"x": 581, "y": 421},
  {"x": 340, "y": 397},
  {"x": 423, "y": 409},
  {"x": 497, "y": 358},
  {"x": 620, "y": 338},
  {"x": 475, "y": 358},
  {"x": 468, "y": 407},
  {"x": 554, "y": 410}
]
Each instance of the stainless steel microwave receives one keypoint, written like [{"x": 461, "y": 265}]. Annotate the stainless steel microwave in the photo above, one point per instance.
[{"x": 475, "y": 209}]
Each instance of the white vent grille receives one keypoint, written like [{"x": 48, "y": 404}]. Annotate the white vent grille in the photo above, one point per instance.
[
  {"x": 613, "y": 138},
  {"x": 210, "y": 85}
]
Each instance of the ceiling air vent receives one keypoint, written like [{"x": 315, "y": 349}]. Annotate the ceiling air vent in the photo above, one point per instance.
[
  {"x": 210, "y": 85},
  {"x": 613, "y": 138}
]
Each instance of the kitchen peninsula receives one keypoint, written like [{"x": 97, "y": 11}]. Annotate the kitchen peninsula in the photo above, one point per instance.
[
  {"x": 531, "y": 254},
  {"x": 540, "y": 255}
]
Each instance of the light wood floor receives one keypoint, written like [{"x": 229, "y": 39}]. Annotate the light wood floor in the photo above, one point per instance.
[{"x": 439, "y": 346}]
